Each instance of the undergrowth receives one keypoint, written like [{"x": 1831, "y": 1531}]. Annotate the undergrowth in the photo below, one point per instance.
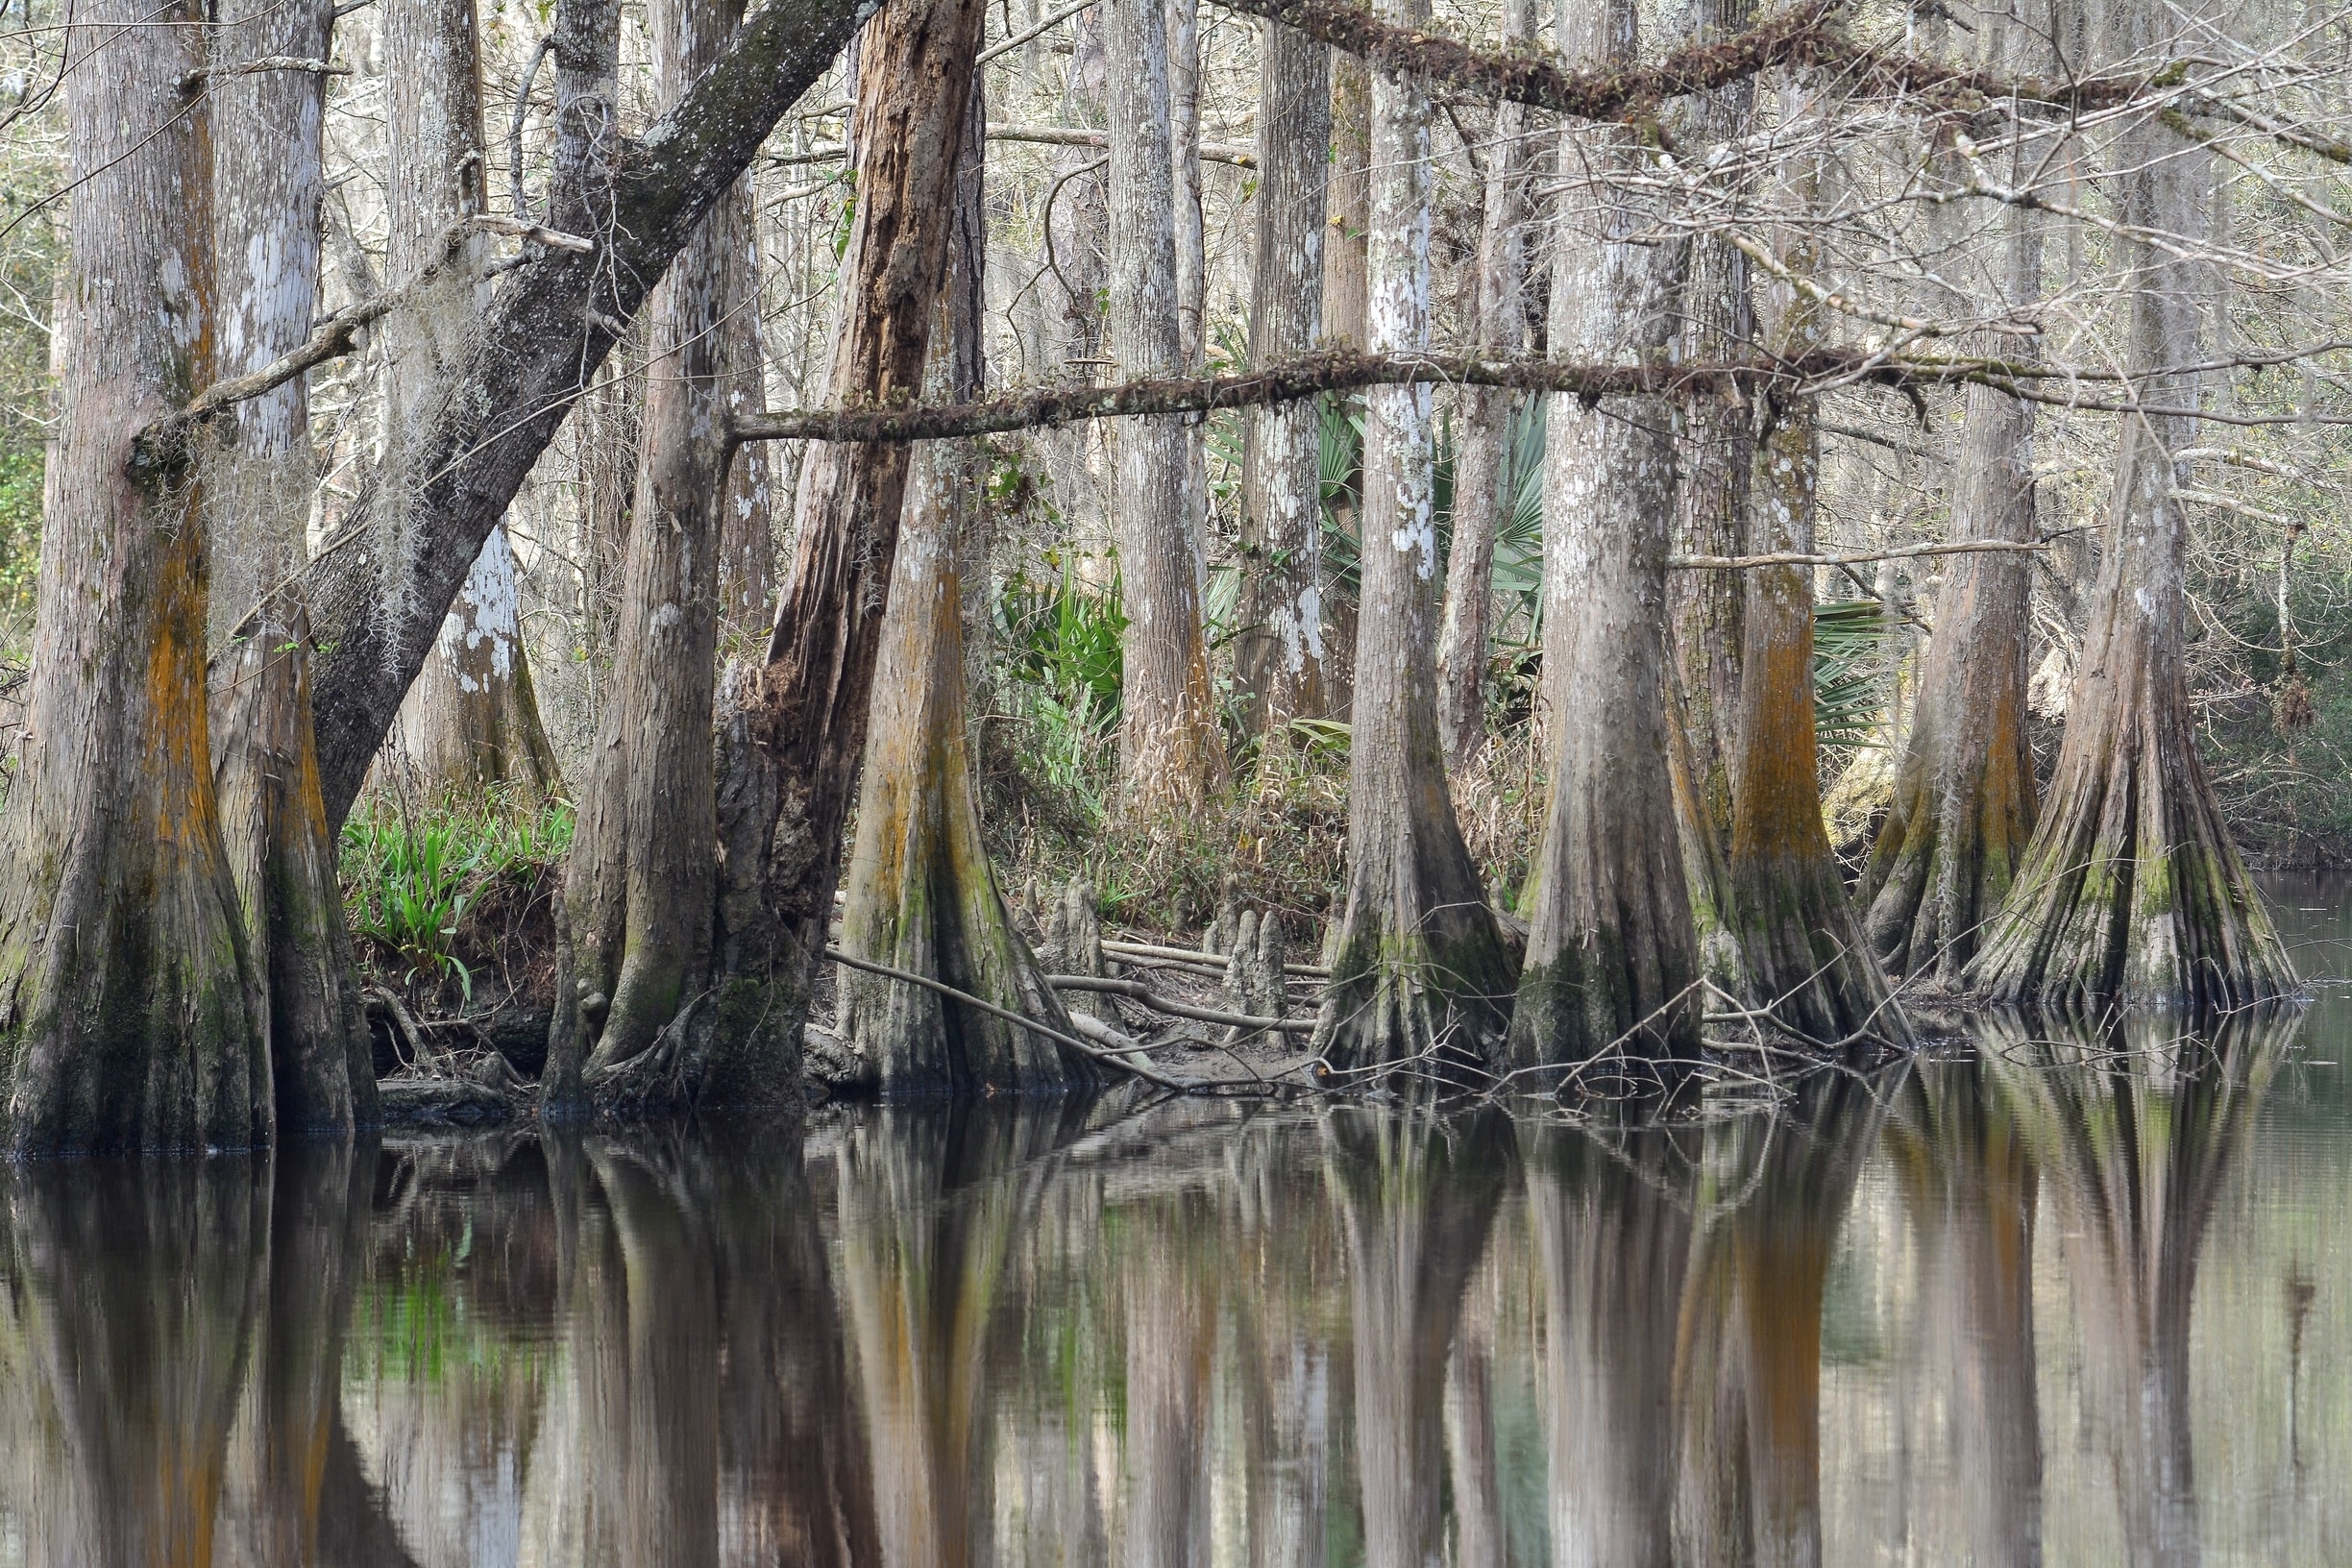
[{"x": 415, "y": 877}]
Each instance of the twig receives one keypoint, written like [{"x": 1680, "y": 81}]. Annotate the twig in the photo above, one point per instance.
[{"x": 1018, "y": 39}]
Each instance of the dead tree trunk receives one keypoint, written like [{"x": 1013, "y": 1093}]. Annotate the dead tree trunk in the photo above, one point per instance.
[
  {"x": 1803, "y": 949},
  {"x": 127, "y": 1006},
  {"x": 470, "y": 720},
  {"x": 1278, "y": 653},
  {"x": 637, "y": 900},
  {"x": 1610, "y": 952},
  {"x": 796, "y": 730},
  {"x": 922, "y": 896},
  {"x": 266, "y": 138},
  {"x": 2131, "y": 888},
  {"x": 1418, "y": 965},
  {"x": 1481, "y": 455},
  {"x": 1170, "y": 753}
]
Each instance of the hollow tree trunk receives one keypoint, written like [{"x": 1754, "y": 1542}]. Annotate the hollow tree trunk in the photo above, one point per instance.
[
  {"x": 549, "y": 324},
  {"x": 1483, "y": 453},
  {"x": 1278, "y": 653},
  {"x": 1707, "y": 609},
  {"x": 1610, "y": 952},
  {"x": 1418, "y": 963},
  {"x": 1170, "y": 753},
  {"x": 470, "y": 720},
  {"x": 2131, "y": 887},
  {"x": 795, "y": 730},
  {"x": 922, "y": 896},
  {"x": 128, "y": 1003},
  {"x": 1803, "y": 948},
  {"x": 268, "y": 182},
  {"x": 637, "y": 902}
]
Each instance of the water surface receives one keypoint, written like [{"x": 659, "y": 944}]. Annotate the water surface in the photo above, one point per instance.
[{"x": 2077, "y": 1299}]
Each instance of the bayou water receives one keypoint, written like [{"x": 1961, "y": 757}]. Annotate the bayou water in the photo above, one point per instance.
[{"x": 2076, "y": 1296}]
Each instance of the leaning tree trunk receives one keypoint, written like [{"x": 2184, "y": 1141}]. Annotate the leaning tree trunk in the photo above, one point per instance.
[
  {"x": 794, "y": 731},
  {"x": 470, "y": 720},
  {"x": 1482, "y": 450},
  {"x": 1610, "y": 957},
  {"x": 1278, "y": 653},
  {"x": 266, "y": 139},
  {"x": 1418, "y": 965},
  {"x": 922, "y": 896},
  {"x": 127, "y": 1005},
  {"x": 637, "y": 900},
  {"x": 1708, "y": 610},
  {"x": 1804, "y": 951},
  {"x": 2131, "y": 887},
  {"x": 1170, "y": 753}
]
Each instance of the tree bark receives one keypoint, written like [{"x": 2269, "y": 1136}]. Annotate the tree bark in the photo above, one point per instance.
[
  {"x": 2131, "y": 888},
  {"x": 1803, "y": 949},
  {"x": 470, "y": 720},
  {"x": 922, "y": 896},
  {"x": 746, "y": 540},
  {"x": 1482, "y": 450},
  {"x": 1418, "y": 965},
  {"x": 267, "y": 149},
  {"x": 1610, "y": 952},
  {"x": 793, "y": 732},
  {"x": 1170, "y": 753},
  {"x": 637, "y": 888},
  {"x": 1346, "y": 256},
  {"x": 549, "y": 324},
  {"x": 1278, "y": 653},
  {"x": 128, "y": 1007}
]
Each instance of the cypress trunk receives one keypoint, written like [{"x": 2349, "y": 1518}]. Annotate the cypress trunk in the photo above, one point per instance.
[
  {"x": 1418, "y": 965},
  {"x": 1482, "y": 447},
  {"x": 1171, "y": 755},
  {"x": 922, "y": 896},
  {"x": 747, "y": 542},
  {"x": 1278, "y": 653},
  {"x": 2131, "y": 888},
  {"x": 793, "y": 732},
  {"x": 268, "y": 179},
  {"x": 637, "y": 904},
  {"x": 1610, "y": 951},
  {"x": 129, "y": 1009}
]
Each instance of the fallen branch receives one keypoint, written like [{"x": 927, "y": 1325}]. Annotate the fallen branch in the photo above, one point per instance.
[
  {"x": 1056, "y": 136},
  {"x": 1150, "y": 1075},
  {"x": 1052, "y": 20},
  {"x": 1191, "y": 955},
  {"x": 422, "y": 1055},
  {"x": 257, "y": 68},
  {"x": 1791, "y": 557},
  {"x": 1138, "y": 990}
]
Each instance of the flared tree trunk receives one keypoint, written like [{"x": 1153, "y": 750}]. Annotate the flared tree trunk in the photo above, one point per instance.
[
  {"x": 1418, "y": 965},
  {"x": 2131, "y": 888},
  {"x": 638, "y": 900},
  {"x": 469, "y": 721},
  {"x": 268, "y": 181},
  {"x": 793, "y": 732},
  {"x": 1278, "y": 653},
  {"x": 1170, "y": 753},
  {"x": 129, "y": 1011},
  {"x": 1708, "y": 609},
  {"x": 1483, "y": 446},
  {"x": 1803, "y": 948},
  {"x": 1610, "y": 952},
  {"x": 922, "y": 896}
]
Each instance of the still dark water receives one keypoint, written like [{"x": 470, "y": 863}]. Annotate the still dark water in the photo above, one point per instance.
[{"x": 2084, "y": 1302}]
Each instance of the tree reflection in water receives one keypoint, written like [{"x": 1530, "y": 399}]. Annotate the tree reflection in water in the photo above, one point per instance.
[{"x": 1179, "y": 1335}]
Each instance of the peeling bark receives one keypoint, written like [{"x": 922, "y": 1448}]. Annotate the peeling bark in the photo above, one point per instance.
[
  {"x": 1610, "y": 952},
  {"x": 637, "y": 888},
  {"x": 1171, "y": 754},
  {"x": 1278, "y": 653},
  {"x": 1418, "y": 965},
  {"x": 922, "y": 895},
  {"x": 128, "y": 1007},
  {"x": 793, "y": 733}
]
